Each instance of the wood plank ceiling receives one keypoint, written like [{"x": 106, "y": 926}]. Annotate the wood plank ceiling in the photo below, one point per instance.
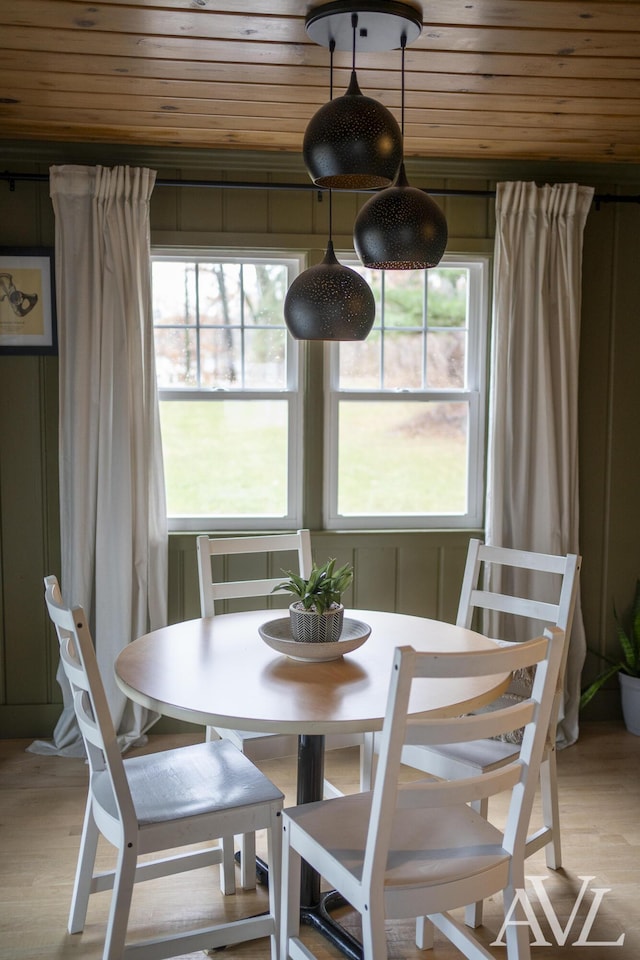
[{"x": 504, "y": 79}]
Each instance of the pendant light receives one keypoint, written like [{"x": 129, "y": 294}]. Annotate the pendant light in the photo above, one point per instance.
[
  {"x": 329, "y": 301},
  {"x": 400, "y": 228},
  {"x": 354, "y": 142}
]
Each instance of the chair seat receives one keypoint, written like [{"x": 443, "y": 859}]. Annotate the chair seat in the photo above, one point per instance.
[
  {"x": 188, "y": 782},
  {"x": 473, "y": 846}
]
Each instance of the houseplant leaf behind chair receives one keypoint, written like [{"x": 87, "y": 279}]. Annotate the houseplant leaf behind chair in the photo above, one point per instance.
[{"x": 626, "y": 666}]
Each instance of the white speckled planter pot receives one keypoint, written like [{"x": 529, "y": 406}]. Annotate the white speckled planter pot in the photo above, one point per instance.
[{"x": 307, "y": 626}]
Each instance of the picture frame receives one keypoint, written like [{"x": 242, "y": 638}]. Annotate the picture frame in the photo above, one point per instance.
[{"x": 27, "y": 301}]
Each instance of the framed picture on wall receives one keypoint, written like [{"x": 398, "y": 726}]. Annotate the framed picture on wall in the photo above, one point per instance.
[{"x": 27, "y": 301}]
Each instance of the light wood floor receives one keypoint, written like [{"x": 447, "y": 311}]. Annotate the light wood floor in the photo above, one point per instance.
[{"x": 41, "y": 807}]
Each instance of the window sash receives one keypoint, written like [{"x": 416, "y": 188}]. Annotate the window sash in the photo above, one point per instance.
[
  {"x": 291, "y": 394},
  {"x": 473, "y": 395},
  {"x": 292, "y": 518}
]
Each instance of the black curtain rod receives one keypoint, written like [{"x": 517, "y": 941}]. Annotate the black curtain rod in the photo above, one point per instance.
[{"x": 12, "y": 178}]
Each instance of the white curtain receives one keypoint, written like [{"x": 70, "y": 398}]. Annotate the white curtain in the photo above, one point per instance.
[
  {"x": 532, "y": 489},
  {"x": 112, "y": 498}
]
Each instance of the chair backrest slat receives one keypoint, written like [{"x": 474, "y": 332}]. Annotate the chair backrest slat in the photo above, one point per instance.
[
  {"x": 502, "y": 659},
  {"x": 225, "y": 588},
  {"x": 71, "y": 664},
  {"x": 484, "y": 725},
  {"x": 86, "y": 721},
  {"x": 526, "y": 559},
  {"x": 236, "y": 589},
  {"x": 520, "y": 606},
  {"x": 430, "y": 794}
]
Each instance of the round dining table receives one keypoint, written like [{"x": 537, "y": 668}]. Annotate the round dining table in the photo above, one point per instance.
[{"x": 220, "y": 672}]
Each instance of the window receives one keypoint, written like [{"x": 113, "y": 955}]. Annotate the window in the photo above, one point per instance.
[
  {"x": 405, "y": 408},
  {"x": 228, "y": 386}
]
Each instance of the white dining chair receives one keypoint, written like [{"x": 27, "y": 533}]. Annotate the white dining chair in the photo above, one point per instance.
[
  {"x": 217, "y": 583},
  {"x": 156, "y": 803},
  {"x": 216, "y": 557},
  {"x": 418, "y": 849},
  {"x": 513, "y": 595}
]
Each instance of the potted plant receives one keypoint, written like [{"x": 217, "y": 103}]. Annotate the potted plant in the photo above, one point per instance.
[
  {"x": 317, "y": 615},
  {"x": 627, "y": 666}
]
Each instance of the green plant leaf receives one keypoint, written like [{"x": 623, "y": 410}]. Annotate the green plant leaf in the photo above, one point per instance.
[
  {"x": 323, "y": 588},
  {"x": 589, "y": 692},
  {"x": 628, "y": 650},
  {"x": 293, "y": 584},
  {"x": 635, "y": 626},
  {"x": 603, "y": 656},
  {"x": 629, "y": 642}
]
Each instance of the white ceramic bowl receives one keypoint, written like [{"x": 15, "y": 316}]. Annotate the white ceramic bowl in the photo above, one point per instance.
[{"x": 277, "y": 635}]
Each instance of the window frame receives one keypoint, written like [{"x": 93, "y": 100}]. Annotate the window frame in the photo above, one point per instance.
[
  {"x": 292, "y": 393},
  {"x": 475, "y": 394}
]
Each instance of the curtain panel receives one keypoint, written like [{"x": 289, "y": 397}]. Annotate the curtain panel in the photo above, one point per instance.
[
  {"x": 112, "y": 501},
  {"x": 532, "y": 483}
]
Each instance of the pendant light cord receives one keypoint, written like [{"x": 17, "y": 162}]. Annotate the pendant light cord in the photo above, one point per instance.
[
  {"x": 332, "y": 47},
  {"x": 403, "y": 44},
  {"x": 354, "y": 24},
  {"x": 330, "y": 216}
]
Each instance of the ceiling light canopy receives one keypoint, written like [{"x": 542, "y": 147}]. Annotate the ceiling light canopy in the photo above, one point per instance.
[
  {"x": 354, "y": 142},
  {"x": 380, "y": 23}
]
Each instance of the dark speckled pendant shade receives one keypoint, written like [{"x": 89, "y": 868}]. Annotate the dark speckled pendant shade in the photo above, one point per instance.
[
  {"x": 400, "y": 228},
  {"x": 329, "y": 302},
  {"x": 352, "y": 143}
]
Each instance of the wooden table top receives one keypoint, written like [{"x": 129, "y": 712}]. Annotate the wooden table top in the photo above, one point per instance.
[{"x": 218, "y": 671}]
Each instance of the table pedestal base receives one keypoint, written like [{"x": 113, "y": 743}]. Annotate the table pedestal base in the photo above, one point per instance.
[
  {"x": 314, "y": 909},
  {"x": 321, "y": 920},
  {"x": 314, "y": 906}
]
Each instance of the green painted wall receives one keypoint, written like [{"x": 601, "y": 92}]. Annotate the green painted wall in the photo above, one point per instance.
[{"x": 418, "y": 571}]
